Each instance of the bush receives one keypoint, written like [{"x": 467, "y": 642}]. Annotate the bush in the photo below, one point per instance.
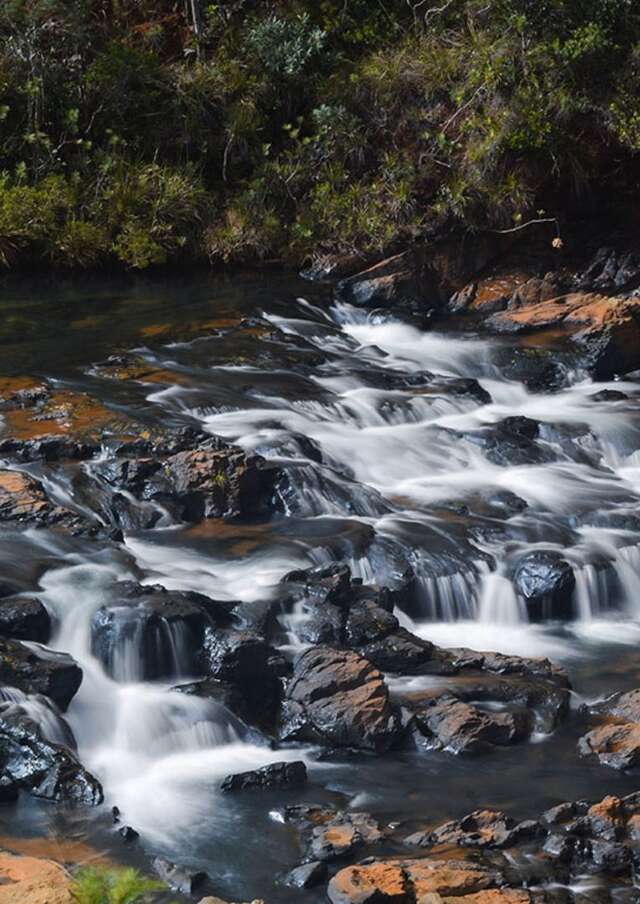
[{"x": 95, "y": 885}]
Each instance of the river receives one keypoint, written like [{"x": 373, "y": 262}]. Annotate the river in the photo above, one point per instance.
[{"x": 399, "y": 463}]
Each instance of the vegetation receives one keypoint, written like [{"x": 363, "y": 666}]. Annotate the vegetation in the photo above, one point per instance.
[
  {"x": 145, "y": 131},
  {"x": 112, "y": 886}
]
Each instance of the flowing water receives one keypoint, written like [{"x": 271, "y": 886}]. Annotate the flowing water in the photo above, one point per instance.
[{"x": 386, "y": 471}]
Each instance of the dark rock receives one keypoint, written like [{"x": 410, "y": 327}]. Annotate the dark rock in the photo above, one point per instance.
[
  {"x": 461, "y": 728},
  {"x": 609, "y": 395},
  {"x": 37, "y": 670},
  {"x": 248, "y": 663},
  {"x": 536, "y": 290},
  {"x": 387, "y": 284},
  {"x": 179, "y": 878},
  {"x": 128, "y": 834},
  {"x": 24, "y": 618},
  {"x": 44, "y": 769},
  {"x": 486, "y": 829},
  {"x": 546, "y": 582},
  {"x": 308, "y": 875},
  {"x": 9, "y": 790},
  {"x": 275, "y": 775},
  {"x": 160, "y": 633},
  {"x": 339, "y": 699}
]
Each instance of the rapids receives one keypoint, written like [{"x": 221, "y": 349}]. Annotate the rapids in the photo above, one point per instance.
[{"x": 384, "y": 473}]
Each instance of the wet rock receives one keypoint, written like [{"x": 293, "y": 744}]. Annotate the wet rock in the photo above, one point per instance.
[
  {"x": 387, "y": 284},
  {"x": 37, "y": 670},
  {"x": 274, "y": 775},
  {"x": 610, "y": 270},
  {"x": 308, "y": 875},
  {"x": 607, "y": 818},
  {"x": 511, "y": 442},
  {"x": 48, "y": 448},
  {"x": 194, "y": 476},
  {"x": 609, "y": 395},
  {"x": 128, "y": 834},
  {"x": 44, "y": 769},
  {"x": 546, "y": 582},
  {"x": 617, "y": 746},
  {"x": 410, "y": 881},
  {"x": 248, "y": 663},
  {"x": 604, "y": 328},
  {"x": 23, "y": 501},
  {"x": 338, "y": 698},
  {"x": 24, "y": 618},
  {"x": 343, "y": 834},
  {"x": 334, "y": 266},
  {"x": 179, "y": 878},
  {"x": 461, "y": 728},
  {"x": 148, "y": 632},
  {"x": 537, "y": 290},
  {"x": 486, "y": 829}
]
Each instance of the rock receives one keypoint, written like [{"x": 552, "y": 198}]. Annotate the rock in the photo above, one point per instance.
[
  {"x": 24, "y": 618},
  {"x": 31, "y": 880},
  {"x": 617, "y": 746},
  {"x": 546, "y": 582},
  {"x": 461, "y": 728},
  {"x": 128, "y": 834},
  {"x": 247, "y": 662},
  {"x": 37, "y": 670},
  {"x": 410, "y": 881},
  {"x": 149, "y": 632},
  {"x": 23, "y": 501},
  {"x": 213, "y": 480},
  {"x": 44, "y": 769},
  {"x": 606, "y": 329},
  {"x": 621, "y": 707},
  {"x": 308, "y": 875},
  {"x": 486, "y": 829},
  {"x": 338, "y": 698},
  {"x": 536, "y": 290},
  {"x": 342, "y": 834},
  {"x": 607, "y": 819},
  {"x": 610, "y": 270},
  {"x": 609, "y": 395},
  {"x": 275, "y": 775},
  {"x": 391, "y": 282},
  {"x": 179, "y": 878}
]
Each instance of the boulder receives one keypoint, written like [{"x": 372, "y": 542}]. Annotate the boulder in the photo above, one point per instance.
[
  {"x": 410, "y": 881},
  {"x": 246, "y": 662},
  {"x": 546, "y": 582},
  {"x": 337, "y": 698},
  {"x": 274, "y": 775},
  {"x": 617, "y": 746},
  {"x": 343, "y": 834},
  {"x": 179, "y": 878},
  {"x": 194, "y": 476},
  {"x": 34, "y": 669},
  {"x": 24, "y": 618},
  {"x": 148, "y": 632},
  {"x": 23, "y": 501},
  {"x": 32, "y": 880},
  {"x": 461, "y": 728},
  {"x": 604, "y": 328},
  {"x": 486, "y": 829},
  {"x": 41, "y": 767},
  {"x": 307, "y": 875}
]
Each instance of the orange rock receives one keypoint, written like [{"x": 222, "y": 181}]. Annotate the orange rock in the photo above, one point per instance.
[
  {"x": 28, "y": 880},
  {"x": 378, "y": 883}
]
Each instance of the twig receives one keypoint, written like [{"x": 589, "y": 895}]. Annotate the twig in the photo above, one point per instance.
[{"x": 528, "y": 223}]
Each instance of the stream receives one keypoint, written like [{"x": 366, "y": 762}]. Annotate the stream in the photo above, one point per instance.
[{"x": 386, "y": 471}]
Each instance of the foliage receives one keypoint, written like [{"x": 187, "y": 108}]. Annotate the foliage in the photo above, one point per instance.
[
  {"x": 141, "y": 131},
  {"x": 112, "y": 886}
]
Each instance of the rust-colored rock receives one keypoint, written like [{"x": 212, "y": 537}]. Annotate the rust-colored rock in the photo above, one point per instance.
[
  {"x": 617, "y": 746},
  {"x": 24, "y": 501},
  {"x": 375, "y": 883},
  {"x": 337, "y": 697},
  {"x": 28, "y": 880}
]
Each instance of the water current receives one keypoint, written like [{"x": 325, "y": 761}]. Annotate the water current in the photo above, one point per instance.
[{"x": 387, "y": 471}]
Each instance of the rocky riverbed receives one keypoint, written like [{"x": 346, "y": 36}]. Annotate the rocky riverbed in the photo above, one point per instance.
[{"x": 307, "y": 590}]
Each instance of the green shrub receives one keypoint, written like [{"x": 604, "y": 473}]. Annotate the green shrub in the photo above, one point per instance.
[{"x": 94, "y": 885}]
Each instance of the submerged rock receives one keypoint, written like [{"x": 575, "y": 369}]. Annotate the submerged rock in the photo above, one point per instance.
[
  {"x": 339, "y": 699},
  {"x": 38, "y": 670},
  {"x": 275, "y": 775},
  {"x": 307, "y": 875}
]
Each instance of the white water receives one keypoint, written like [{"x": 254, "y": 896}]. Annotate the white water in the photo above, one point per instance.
[{"x": 390, "y": 465}]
